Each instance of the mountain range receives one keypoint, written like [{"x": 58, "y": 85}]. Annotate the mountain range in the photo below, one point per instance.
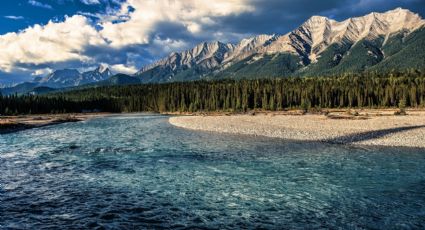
[
  {"x": 320, "y": 46},
  {"x": 72, "y": 77},
  {"x": 60, "y": 79},
  {"x": 381, "y": 42}
]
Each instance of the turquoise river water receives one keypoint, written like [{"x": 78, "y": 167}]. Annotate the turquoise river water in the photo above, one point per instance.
[{"x": 137, "y": 171}]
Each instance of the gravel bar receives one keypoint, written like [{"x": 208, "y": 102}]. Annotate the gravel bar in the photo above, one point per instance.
[{"x": 401, "y": 131}]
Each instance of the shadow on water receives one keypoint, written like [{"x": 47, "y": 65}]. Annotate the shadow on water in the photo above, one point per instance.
[{"x": 364, "y": 136}]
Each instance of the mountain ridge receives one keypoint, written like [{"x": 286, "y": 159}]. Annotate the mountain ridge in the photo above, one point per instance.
[
  {"x": 59, "y": 79},
  {"x": 72, "y": 77},
  {"x": 305, "y": 45}
]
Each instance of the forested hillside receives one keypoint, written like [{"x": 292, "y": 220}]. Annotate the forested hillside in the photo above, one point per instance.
[{"x": 369, "y": 90}]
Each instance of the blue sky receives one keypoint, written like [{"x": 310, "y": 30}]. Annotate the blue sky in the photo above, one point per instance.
[
  {"x": 27, "y": 13},
  {"x": 39, "y": 36}
]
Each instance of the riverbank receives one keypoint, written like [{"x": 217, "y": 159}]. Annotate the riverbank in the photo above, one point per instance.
[
  {"x": 10, "y": 124},
  {"x": 363, "y": 127}
]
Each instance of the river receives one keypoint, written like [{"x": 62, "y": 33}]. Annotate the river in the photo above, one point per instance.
[{"x": 135, "y": 171}]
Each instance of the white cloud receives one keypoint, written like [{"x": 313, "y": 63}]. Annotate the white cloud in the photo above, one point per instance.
[
  {"x": 41, "y": 72},
  {"x": 120, "y": 68},
  {"x": 147, "y": 14},
  {"x": 140, "y": 26},
  {"x": 14, "y": 17},
  {"x": 160, "y": 46},
  {"x": 90, "y": 2},
  {"x": 54, "y": 42},
  {"x": 39, "y": 4}
]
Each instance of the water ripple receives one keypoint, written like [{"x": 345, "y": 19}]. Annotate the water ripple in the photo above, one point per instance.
[{"x": 136, "y": 171}]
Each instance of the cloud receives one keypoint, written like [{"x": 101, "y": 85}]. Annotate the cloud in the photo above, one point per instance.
[
  {"x": 128, "y": 37},
  {"x": 54, "y": 42},
  {"x": 39, "y": 4},
  {"x": 12, "y": 17},
  {"x": 120, "y": 68},
  {"x": 42, "y": 72},
  {"x": 191, "y": 15},
  {"x": 90, "y": 2},
  {"x": 361, "y": 7},
  {"x": 274, "y": 16}
]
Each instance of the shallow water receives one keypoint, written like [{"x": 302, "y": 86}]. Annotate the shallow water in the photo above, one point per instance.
[{"x": 137, "y": 171}]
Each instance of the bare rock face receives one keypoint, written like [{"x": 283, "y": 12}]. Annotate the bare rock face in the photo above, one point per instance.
[
  {"x": 307, "y": 41},
  {"x": 209, "y": 54},
  {"x": 317, "y": 33}
]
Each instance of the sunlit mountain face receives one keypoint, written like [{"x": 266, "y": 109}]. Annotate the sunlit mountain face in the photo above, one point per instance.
[{"x": 320, "y": 46}]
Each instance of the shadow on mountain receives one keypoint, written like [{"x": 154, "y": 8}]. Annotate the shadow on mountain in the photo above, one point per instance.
[{"x": 365, "y": 136}]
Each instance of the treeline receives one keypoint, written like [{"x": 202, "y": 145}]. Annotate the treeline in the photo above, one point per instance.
[
  {"x": 348, "y": 91},
  {"x": 33, "y": 104}
]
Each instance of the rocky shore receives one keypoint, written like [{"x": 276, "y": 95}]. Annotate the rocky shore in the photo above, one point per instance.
[
  {"x": 379, "y": 128},
  {"x": 10, "y": 124}
]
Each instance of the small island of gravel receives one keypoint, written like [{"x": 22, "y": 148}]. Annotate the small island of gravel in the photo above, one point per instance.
[{"x": 365, "y": 127}]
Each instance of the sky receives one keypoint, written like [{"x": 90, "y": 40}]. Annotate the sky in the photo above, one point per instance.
[{"x": 40, "y": 36}]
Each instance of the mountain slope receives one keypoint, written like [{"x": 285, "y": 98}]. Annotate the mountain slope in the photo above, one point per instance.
[
  {"x": 266, "y": 66},
  {"x": 100, "y": 74},
  {"x": 404, "y": 52},
  {"x": 23, "y": 87},
  {"x": 60, "y": 78},
  {"x": 118, "y": 79},
  {"x": 320, "y": 46}
]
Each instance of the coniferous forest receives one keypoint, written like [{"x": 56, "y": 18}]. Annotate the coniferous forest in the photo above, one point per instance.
[{"x": 347, "y": 91}]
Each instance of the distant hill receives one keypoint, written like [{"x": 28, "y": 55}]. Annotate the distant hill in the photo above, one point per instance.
[
  {"x": 118, "y": 79},
  {"x": 23, "y": 87},
  {"x": 71, "y": 77},
  {"x": 59, "y": 79}
]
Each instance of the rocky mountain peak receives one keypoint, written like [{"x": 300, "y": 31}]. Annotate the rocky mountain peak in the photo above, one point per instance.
[
  {"x": 307, "y": 42},
  {"x": 99, "y": 74},
  {"x": 248, "y": 46},
  {"x": 317, "y": 33},
  {"x": 72, "y": 77},
  {"x": 103, "y": 68},
  {"x": 212, "y": 53},
  {"x": 315, "y": 21}
]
